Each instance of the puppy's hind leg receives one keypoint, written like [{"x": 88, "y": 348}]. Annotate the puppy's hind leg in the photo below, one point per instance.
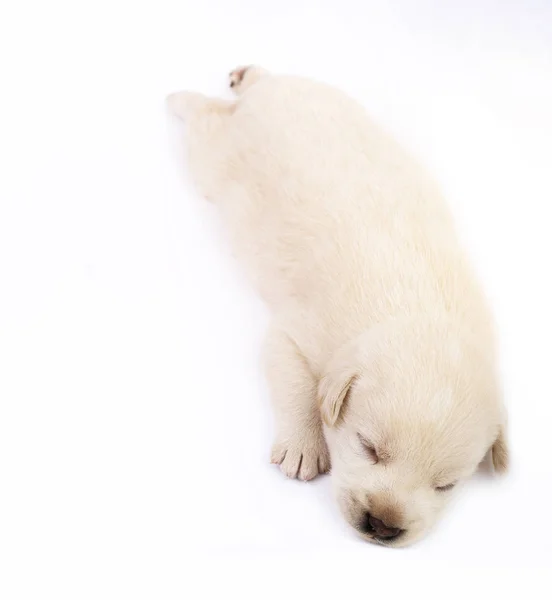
[
  {"x": 300, "y": 448},
  {"x": 187, "y": 105},
  {"x": 205, "y": 120}
]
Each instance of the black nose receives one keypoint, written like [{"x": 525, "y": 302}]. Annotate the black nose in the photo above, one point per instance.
[{"x": 379, "y": 528}]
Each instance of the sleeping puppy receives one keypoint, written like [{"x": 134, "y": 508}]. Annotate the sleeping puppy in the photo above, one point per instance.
[{"x": 381, "y": 355}]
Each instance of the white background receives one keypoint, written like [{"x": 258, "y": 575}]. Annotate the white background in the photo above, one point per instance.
[{"x": 134, "y": 421}]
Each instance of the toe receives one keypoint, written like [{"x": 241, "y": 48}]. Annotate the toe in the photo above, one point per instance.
[
  {"x": 278, "y": 454},
  {"x": 291, "y": 464},
  {"x": 324, "y": 462},
  {"x": 309, "y": 467}
]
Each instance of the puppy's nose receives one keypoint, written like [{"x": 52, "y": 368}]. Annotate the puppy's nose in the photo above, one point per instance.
[{"x": 380, "y": 528}]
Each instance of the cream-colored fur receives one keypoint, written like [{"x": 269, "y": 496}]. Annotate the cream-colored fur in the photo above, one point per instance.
[{"x": 381, "y": 355}]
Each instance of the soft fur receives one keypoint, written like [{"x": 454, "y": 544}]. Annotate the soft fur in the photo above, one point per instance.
[{"x": 381, "y": 354}]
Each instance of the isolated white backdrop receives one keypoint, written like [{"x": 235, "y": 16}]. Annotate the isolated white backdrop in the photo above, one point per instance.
[{"x": 134, "y": 421}]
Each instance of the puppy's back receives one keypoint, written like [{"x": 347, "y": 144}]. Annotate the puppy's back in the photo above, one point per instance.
[{"x": 332, "y": 208}]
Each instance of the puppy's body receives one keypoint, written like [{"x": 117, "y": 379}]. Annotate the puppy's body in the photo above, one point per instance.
[{"x": 355, "y": 252}]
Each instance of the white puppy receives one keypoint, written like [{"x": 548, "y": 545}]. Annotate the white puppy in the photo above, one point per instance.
[{"x": 381, "y": 355}]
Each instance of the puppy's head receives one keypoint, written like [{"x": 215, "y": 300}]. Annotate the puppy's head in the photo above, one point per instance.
[{"x": 410, "y": 411}]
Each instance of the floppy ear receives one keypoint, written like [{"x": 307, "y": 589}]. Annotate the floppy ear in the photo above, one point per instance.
[
  {"x": 332, "y": 391},
  {"x": 499, "y": 452},
  {"x": 346, "y": 365}
]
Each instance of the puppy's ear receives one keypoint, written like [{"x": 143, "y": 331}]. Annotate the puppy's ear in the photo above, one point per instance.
[
  {"x": 332, "y": 391},
  {"x": 352, "y": 360},
  {"x": 500, "y": 453}
]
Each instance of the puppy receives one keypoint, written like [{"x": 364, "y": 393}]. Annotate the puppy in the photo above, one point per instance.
[{"x": 381, "y": 354}]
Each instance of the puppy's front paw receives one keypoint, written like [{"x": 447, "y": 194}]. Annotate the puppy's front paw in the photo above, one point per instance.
[{"x": 303, "y": 454}]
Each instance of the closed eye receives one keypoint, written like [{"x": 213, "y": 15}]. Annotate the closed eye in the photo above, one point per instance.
[
  {"x": 369, "y": 449},
  {"x": 445, "y": 488}
]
